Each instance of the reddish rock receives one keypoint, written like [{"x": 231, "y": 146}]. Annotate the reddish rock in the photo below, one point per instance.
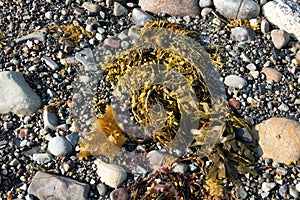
[
  {"x": 279, "y": 139},
  {"x": 114, "y": 43},
  {"x": 234, "y": 104},
  {"x": 272, "y": 74},
  {"x": 119, "y": 194},
  {"x": 172, "y": 7},
  {"x": 280, "y": 38}
]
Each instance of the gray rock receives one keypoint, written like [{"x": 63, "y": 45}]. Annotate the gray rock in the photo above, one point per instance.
[
  {"x": 49, "y": 118},
  {"x": 280, "y": 38},
  {"x": 235, "y": 81},
  {"x": 266, "y": 187},
  {"x": 140, "y": 17},
  {"x": 281, "y": 171},
  {"x": 264, "y": 26},
  {"x": 284, "y": 14},
  {"x": 283, "y": 191},
  {"x": 52, "y": 64},
  {"x": 49, "y": 186},
  {"x": 60, "y": 146},
  {"x": 112, "y": 42},
  {"x": 298, "y": 187},
  {"x": 49, "y": 15},
  {"x": 32, "y": 36},
  {"x": 172, "y": 7},
  {"x": 91, "y": 7},
  {"x": 119, "y": 10},
  {"x": 205, "y": 12},
  {"x": 41, "y": 157},
  {"x": 244, "y": 135},
  {"x": 276, "y": 133},
  {"x": 283, "y": 107},
  {"x": 205, "y": 3},
  {"x": 242, "y": 34},
  {"x": 180, "y": 167},
  {"x": 237, "y": 9},
  {"x": 119, "y": 194},
  {"x": 73, "y": 138},
  {"x": 241, "y": 193},
  {"x": 102, "y": 189},
  {"x": 16, "y": 95},
  {"x": 85, "y": 56},
  {"x": 293, "y": 191},
  {"x": 272, "y": 74}
]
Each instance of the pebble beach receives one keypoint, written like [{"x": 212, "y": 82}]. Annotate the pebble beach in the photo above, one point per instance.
[{"x": 44, "y": 61}]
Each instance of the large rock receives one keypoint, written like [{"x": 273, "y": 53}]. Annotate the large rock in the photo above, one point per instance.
[
  {"x": 49, "y": 186},
  {"x": 284, "y": 14},
  {"x": 279, "y": 139},
  {"x": 237, "y": 9},
  {"x": 172, "y": 7},
  {"x": 16, "y": 95}
]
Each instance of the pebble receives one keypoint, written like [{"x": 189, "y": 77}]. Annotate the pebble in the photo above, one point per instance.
[
  {"x": 251, "y": 67},
  {"x": 235, "y": 81},
  {"x": 281, "y": 171},
  {"x": 85, "y": 57},
  {"x": 60, "y": 146},
  {"x": 233, "y": 103},
  {"x": 73, "y": 138},
  {"x": 49, "y": 118},
  {"x": 32, "y": 36},
  {"x": 172, "y": 7},
  {"x": 51, "y": 63},
  {"x": 298, "y": 187},
  {"x": 272, "y": 74},
  {"x": 114, "y": 43},
  {"x": 280, "y": 38},
  {"x": 49, "y": 15},
  {"x": 266, "y": 187},
  {"x": 285, "y": 15},
  {"x": 102, "y": 189},
  {"x": 237, "y": 9},
  {"x": 276, "y": 133},
  {"x": 140, "y": 17},
  {"x": 242, "y": 34},
  {"x": 241, "y": 193},
  {"x": 119, "y": 194},
  {"x": 298, "y": 57},
  {"x": 283, "y": 107},
  {"x": 20, "y": 98},
  {"x": 41, "y": 157},
  {"x": 119, "y": 9},
  {"x": 293, "y": 192},
  {"x": 205, "y": 3},
  {"x": 58, "y": 187},
  {"x": 254, "y": 74},
  {"x": 205, "y": 12},
  {"x": 91, "y": 7},
  {"x": 180, "y": 167},
  {"x": 155, "y": 158},
  {"x": 264, "y": 26}
]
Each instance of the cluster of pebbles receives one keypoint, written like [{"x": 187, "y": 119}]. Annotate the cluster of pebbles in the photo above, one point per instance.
[{"x": 42, "y": 67}]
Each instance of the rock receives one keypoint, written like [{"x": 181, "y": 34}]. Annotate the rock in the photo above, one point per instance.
[
  {"x": 205, "y": 3},
  {"x": 49, "y": 186},
  {"x": 119, "y": 194},
  {"x": 60, "y": 146},
  {"x": 16, "y": 95},
  {"x": 86, "y": 57},
  {"x": 91, "y": 7},
  {"x": 240, "y": 193},
  {"x": 264, "y": 26},
  {"x": 155, "y": 159},
  {"x": 50, "y": 118},
  {"x": 114, "y": 43},
  {"x": 235, "y": 81},
  {"x": 52, "y": 64},
  {"x": 293, "y": 192},
  {"x": 180, "y": 167},
  {"x": 283, "y": 107},
  {"x": 102, "y": 189},
  {"x": 73, "y": 138},
  {"x": 205, "y": 12},
  {"x": 32, "y": 36},
  {"x": 298, "y": 57},
  {"x": 119, "y": 10},
  {"x": 242, "y": 34},
  {"x": 266, "y": 187},
  {"x": 112, "y": 175},
  {"x": 251, "y": 67},
  {"x": 284, "y": 14},
  {"x": 271, "y": 74},
  {"x": 49, "y": 15},
  {"x": 244, "y": 135},
  {"x": 279, "y": 139},
  {"x": 298, "y": 187},
  {"x": 234, "y": 104},
  {"x": 237, "y": 9},
  {"x": 280, "y": 38},
  {"x": 140, "y": 17},
  {"x": 41, "y": 157},
  {"x": 172, "y": 7},
  {"x": 281, "y": 171}
]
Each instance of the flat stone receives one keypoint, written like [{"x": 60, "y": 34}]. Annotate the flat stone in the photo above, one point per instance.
[
  {"x": 280, "y": 38},
  {"x": 264, "y": 26},
  {"x": 283, "y": 107},
  {"x": 49, "y": 118},
  {"x": 172, "y": 7},
  {"x": 41, "y": 157},
  {"x": 272, "y": 74},
  {"x": 242, "y": 34},
  {"x": 237, "y": 9},
  {"x": 114, "y": 43},
  {"x": 16, "y": 95},
  {"x": 32, "y": 36},
  {"x": 279, "y": 139},
  {"x": 119, "y": 9},
  {"x": 51, "y": 63},
  {"x": 284, "y": 14},
  {"x": 91, "y": 7},
  {"x": 266, "y": 187},
  {"x": 60, "y": 146},
  {"x": 235, "y": 81},
  {"x": 205, "y": 3},
  {"x": 119, "y": 194},
  {"x": 140, "y": 17},
  {"x": 85, "y": 57},
  {"x": 49, "y": 186},
  {"x": 293, "y": 191}
]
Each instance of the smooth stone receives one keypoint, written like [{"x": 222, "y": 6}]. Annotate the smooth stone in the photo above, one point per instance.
[
  {"x": 41, "y": 157},
  {"x": 32, "y": 36},
  {"x": 119, "y": 9},
  {"x": 266, "y": 187},
  {"x": 281, "y": 171},
  {"x": 205, "y": 3},
  {"x": 235, "y": 81},
  {"x": 102, "y": 189},
  {"x": 272, "y": 74},
  {"x": 180, "y": 167},
  {"x": 49, "y": 118},
  {"x": 242, "y": 34},
  {"x": 244, "y": 135},
  {"x": 240, "y": 193},
  {"x": 91, "y": 7},
  {"x": 283, "y": 190},
  {"x": 297, "y": 57},
  {"x": 155, "y": 158},
  {"x": 114, "y": 43},
  {"x": 237, "y": 9},
  {"x": 280, "y": 38},
  {"x": 49, "y": 186},
  {"x": 140, "y": 17},
  {"x": 264, "y": 26},
  {"x": 205, "y": 12},
  {"x": 17, "y": 96},
  {"x": 51, "y": 63},
  {"x": 285, "y": 15},
  {"x": 293, "y": 191},
  {"x": 60, "y": 146},
  {"x": 276, "y": 133},
  {"x": 254, "y": 74},
  {"x": 49, "y": 15},
  {"x": 119, "y": 194},
  {"x": 251, "y": 67},
  {"x": 283, "y": 107},
  {"x": 172, "y": 7},
  {"x": 234, "y": 104},
  {"x": 73, "y": 138},
  {"x": 298, "y": 187},
  {"x": 86, "y": 57}
]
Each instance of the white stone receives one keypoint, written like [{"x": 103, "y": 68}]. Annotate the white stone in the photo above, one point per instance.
[
  {"x": 266, "y": 187},
  {"x": 235, "y": 81},
  {"x": 60, "y": 146},
  {"x": 119, "y": 10},
  {"x": 140, "y": 17}
]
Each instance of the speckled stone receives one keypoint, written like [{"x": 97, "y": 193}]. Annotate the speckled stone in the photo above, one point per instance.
[{"x": 272, "y": 74}]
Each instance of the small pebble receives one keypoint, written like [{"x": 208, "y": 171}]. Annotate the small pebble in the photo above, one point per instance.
[{"x": 60, "y": 146}]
